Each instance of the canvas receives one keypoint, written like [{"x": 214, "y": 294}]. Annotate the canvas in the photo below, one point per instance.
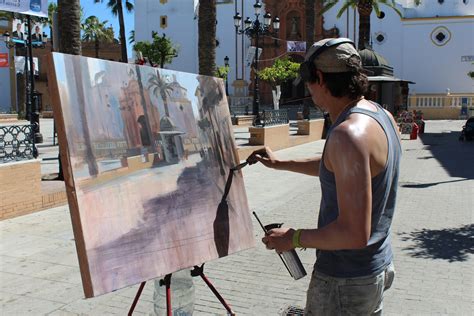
[{"x": 146, "y": 154}]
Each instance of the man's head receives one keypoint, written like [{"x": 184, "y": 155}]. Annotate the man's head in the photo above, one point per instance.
[
  {"x": 335, "y": 63},
  {"x": 18, "y": 27},
  {"x": 37, "y": 29}
]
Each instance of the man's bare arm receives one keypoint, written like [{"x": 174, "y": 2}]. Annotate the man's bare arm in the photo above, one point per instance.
[
  {"x": 351, "y": 229},
  {"x": 308, "y": 166}
]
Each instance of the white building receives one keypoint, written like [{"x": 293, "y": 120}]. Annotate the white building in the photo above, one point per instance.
[
  {"x": 432, "y": 45},
  {"x": 178, "y": 20}
]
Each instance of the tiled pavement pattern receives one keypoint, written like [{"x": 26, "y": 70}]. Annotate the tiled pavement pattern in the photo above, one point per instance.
[{"x": 432, "y": 237}]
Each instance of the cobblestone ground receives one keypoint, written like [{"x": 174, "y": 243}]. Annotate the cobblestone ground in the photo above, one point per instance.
[{"x": 432, "y": 237}]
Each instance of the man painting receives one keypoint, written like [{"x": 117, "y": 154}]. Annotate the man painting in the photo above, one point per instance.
[{"x": 358, "y": 172}]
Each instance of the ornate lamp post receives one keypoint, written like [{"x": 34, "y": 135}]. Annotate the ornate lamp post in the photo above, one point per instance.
[
  {"x": 254, "y": 30},
  {"x": 226, "y": 64},
  {"x": 32, "y": 104}
]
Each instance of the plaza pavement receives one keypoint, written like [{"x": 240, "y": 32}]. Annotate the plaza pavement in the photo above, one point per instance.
[{"x": 432, "y": 237}]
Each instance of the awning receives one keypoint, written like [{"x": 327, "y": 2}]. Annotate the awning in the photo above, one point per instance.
[{"x": 387, "y": 79}]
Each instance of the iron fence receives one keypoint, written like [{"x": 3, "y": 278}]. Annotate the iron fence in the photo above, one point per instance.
[
  {"x": 17, "y": 143},
  {"x": 274, "y": 117},
  {"x": 238, "y": 110}
]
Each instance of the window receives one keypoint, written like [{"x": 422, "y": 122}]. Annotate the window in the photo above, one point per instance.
[
  {"x": 380, "y": 37},
  {"x": 440, "y": 36},
  {"x": 163, "y": 21}
]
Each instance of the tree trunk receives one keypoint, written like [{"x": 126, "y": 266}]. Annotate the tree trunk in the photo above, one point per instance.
[
  {"x": 310, "y": 17},
  {"x": 96, "y": 44},
  {"x": 69, "y": 13},
  {"x": 364, "y": 8},
  {"x": 123, "y": 39},
  {"x": 207, "y": 37}
]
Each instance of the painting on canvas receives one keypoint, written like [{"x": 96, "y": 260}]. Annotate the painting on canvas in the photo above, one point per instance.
[{"x": 148, "y": 152}]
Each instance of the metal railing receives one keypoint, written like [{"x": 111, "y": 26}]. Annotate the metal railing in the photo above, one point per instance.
[
  {"x": 274, "y": 117},
  {"x": 17, "y": 143},
  {"x": 238, "y": 110}
]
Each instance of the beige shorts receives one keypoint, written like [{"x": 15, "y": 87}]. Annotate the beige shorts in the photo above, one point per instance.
[{"x": 348, "y": 296}]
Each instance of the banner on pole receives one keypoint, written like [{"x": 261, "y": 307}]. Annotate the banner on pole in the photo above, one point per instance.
[
  {"x": 295, "y": 46},
  {"x": 3, "y": 60},
  {"x": 28, "y": 7}
]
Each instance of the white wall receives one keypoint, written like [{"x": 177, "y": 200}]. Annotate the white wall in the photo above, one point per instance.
[
  {"x": 436, "y": 68},
  {"x": 408, "y": 46},
  {"x": 183, "y": 30}
]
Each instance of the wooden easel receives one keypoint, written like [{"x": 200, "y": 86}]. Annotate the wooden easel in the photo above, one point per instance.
[{"x": 166, "y": 281}]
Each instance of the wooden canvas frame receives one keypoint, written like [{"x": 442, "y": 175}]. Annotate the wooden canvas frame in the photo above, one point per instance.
[{"x": 115, "y": 251}]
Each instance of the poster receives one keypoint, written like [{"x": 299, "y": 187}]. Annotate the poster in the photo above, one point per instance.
[
  {"x": 148, "y": 152},
  {"x": 296, "y": 46},
  {"x": 4, "y": 60},
  {"x": 20, "y": 65},
  {"x": 29, "y": 7}
]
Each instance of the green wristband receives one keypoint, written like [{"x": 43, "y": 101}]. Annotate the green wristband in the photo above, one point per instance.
[{"x": 296, "y": 239}]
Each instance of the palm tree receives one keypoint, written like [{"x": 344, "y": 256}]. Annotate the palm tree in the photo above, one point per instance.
[
  {"x": 52, "y": 9},
  {"x": 207, "y": 37},
  {"x": 364, "y": 8},
  {"x": 69, "y": 14},
  {"x": 96, "y": 31},
  {"x": 131, "y": 38},
  {"x": 161, "y": 88},
  {"x": 117, "y": 10}
]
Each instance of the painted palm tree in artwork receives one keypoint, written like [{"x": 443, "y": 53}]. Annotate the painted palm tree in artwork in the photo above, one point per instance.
[
  {"x": 117, "y": 10},
  {"x": 207, "y": 37},
  {"x": 364, "y": 8},
  {"x": 69, "y": 13},
  {"x": 160, "y": 88},
  {"x": 95, "y": 31}
]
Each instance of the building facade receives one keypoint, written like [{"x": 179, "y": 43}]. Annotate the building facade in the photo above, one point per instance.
[{"x": 431, "y": 45}]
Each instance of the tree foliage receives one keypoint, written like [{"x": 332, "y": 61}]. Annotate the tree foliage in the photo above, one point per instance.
[
  {"x": 364, "y": 8},
  {"x": 116, "y": 6},
  {"x": 96, "y": 31},
  {"x": 160, "y": 51},
  {"x": 282, "y": 70},
  {"x": 222, "y": 72}
]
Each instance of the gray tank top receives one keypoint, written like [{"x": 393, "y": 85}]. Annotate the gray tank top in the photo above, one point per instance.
[{"x": 378, "y": 253}]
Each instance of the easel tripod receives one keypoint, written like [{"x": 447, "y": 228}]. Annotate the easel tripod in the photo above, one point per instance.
[{"x": 166, "y": 281}]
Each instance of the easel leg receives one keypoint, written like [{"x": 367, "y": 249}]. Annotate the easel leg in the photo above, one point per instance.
[
  {"x": 167, "y": 283},
  {"x": 200, "y": 271},
  {"x": 135, "y": 301}
]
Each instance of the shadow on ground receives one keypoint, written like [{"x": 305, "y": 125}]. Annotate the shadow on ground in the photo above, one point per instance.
[
  {"x": 452, "y": 244},
  {"x": 444, "y": 147}
]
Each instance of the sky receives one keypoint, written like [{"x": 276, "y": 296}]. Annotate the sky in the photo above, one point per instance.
[{"x": 103, "y": 13}]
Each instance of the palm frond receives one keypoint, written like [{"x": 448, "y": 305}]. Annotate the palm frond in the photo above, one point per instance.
[
  {"x": 344, "y": 7},
  {"x": 129, "y": 6}
]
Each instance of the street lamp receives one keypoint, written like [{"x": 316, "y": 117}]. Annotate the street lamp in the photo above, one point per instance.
[
  {"x": 32, "y": 104},
  {"x": 255, "y": 29},
  {"x": 226, "y": 64}
]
